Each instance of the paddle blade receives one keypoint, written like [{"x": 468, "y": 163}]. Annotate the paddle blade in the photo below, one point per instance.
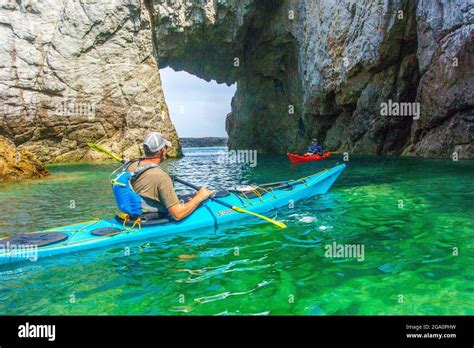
[
  {"x": 104, "y": 151},
  {"x": 277, "y": 223}
]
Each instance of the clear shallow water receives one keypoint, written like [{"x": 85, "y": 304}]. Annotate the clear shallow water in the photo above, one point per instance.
[{"x": 251, "y": 267}]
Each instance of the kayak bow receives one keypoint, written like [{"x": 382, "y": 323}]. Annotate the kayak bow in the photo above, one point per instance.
[{"x": 102, "y": 233}]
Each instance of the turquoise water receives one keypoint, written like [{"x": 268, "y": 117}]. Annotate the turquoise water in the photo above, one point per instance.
[{"x": 412, "y": 216}]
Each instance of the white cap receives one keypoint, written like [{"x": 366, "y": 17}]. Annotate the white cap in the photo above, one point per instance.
[{"x": 154, "y": 142}]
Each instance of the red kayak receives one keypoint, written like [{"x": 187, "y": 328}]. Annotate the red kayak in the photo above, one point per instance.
[{"x": 306, "y": 158}]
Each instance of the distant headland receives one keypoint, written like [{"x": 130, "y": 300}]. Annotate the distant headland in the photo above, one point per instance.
[{"x": 203, "y": 142}]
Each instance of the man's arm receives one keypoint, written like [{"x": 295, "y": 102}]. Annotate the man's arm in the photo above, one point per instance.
[
  {"x": 168, "y": 197},
  {"x": 181, "y": 210}
]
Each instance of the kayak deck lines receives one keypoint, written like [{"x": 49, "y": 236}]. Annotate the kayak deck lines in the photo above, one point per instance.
[{"x": 271, "y": 190}]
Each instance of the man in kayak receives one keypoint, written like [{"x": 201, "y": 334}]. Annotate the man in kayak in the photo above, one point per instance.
[
  {"x": 155, "y": 186},
  {"x": 315, "y": 148}
]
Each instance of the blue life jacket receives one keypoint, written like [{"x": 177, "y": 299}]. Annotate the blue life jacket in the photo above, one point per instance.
[
  {"x": 128, "y": 201},
  {"x": 315, "y": 148}
]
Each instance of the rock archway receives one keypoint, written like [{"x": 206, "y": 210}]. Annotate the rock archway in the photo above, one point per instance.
[
  {"x": 303, "y": 69},
  {"x": 324, "y": 69}
]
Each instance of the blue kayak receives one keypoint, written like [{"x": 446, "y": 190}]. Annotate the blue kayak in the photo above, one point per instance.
[{"x": 102, "y": 233}]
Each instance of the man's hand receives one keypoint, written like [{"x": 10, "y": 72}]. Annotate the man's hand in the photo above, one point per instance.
[
  {"x": 180, "y": 211},
  {"x": 204, "y": 194}
]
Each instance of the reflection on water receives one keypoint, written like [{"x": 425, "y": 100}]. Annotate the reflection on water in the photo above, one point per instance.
[{"x": 410, "y": 215}]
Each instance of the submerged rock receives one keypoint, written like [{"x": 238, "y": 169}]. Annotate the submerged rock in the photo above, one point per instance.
[{"x": 18, "y": 164}]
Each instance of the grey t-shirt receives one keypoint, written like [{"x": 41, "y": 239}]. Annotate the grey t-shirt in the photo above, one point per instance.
[{"x": 155, "y": 187}]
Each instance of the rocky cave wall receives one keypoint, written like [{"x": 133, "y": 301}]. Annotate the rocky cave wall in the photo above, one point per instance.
[
  {"x": 322, "y": 69},
  {"x": 75, "y": 71}
]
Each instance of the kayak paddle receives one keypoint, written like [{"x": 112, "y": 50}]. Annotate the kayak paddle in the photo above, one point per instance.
[
  {"x": 233, "y": 207},
  {"x": 104, "y": 151}
]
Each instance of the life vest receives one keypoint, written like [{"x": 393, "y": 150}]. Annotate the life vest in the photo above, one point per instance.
[
  {"x": 129, "y": 203},
  {"x": 315, "y": 149}
]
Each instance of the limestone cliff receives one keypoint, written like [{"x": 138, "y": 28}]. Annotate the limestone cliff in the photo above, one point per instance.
[
  {"x": 79, "y": 70},
  {"x": 74, "y": 71},
  {"x": 324, "y": 69}
]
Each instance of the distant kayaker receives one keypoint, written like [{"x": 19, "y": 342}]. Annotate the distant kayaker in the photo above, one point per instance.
[
  {"x": 155, "y": 186},
  {"x": 315, "y": 148}
]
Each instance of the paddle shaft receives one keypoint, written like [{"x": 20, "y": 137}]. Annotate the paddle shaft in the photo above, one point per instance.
[
  {"x": 197, "y": 189},
  {"x": 282, "y": 184}
]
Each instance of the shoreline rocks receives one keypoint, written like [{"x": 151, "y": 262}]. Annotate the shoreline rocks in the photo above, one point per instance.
[{"x": 18, "y": 164}]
